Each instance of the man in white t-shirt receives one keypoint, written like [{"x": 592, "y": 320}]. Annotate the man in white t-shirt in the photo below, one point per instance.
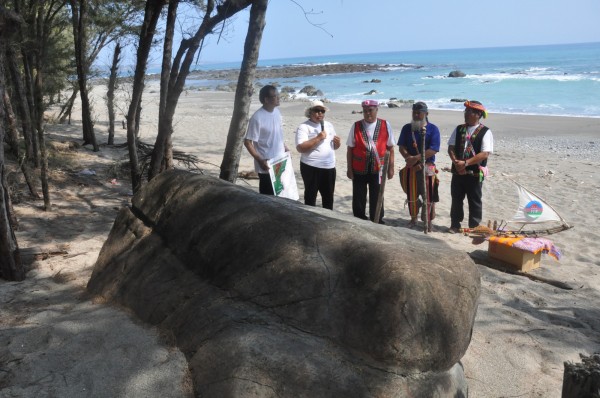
[
  {"x": 469, "y": 147},
  {"x": 264, "y": 137},
  {"x": 316, "y": 141},
  {"x": 368, "y": 141}
]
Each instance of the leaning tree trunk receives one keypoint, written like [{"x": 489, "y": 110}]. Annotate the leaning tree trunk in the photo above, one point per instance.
[
  {"x": 110, "y": 94},
  {"x": 243, "y": 93},
  {"x": 68, "y": 107},
  {"x": 13, "y": 140},
  {"x": 79, "y": 9},
  {"x": 11, "y": 267}
]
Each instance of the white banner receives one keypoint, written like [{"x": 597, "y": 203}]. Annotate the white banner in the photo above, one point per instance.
[{"x": 283, "y": 178}]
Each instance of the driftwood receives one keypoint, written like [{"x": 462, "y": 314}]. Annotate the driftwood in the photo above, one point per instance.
[
  {"x": 582, "y": 380},
  {"x": 190, "y": 162}
]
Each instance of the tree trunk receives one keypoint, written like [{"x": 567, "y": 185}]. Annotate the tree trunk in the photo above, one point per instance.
[
  {"x": 110, "y": 94},
  {"x": 244, "y": 91},
  {"x": 79, "y": 9},
  {"x": 159, "y": 154},
  {"x": 22, "y": 106},
  {"x": 11, "y": 267},
  {"x": 28, "y": 67},
  {"x": 13, "y": 139},
  {"x": 181, "y": 67},
  {"x": 41, "y": 140},
  {"x": 38, "y": 100},
  {"x": 68, "y": 107},
  {"x": 151, "y": 16}
]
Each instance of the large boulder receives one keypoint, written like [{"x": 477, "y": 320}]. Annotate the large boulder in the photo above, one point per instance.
[{"x": 268, "y": 297}]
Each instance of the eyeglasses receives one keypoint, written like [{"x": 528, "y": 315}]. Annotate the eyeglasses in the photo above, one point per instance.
[{"x": 319, "y": 111}]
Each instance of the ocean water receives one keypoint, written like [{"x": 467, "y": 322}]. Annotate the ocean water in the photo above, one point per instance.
[{"x": 542, "y": 80}]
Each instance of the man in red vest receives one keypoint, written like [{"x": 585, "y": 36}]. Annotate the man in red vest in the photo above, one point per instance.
[{"x": 367, "y": 143}]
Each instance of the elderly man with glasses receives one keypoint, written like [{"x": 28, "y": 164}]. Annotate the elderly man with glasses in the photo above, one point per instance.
[
  {"x": 264, "y": 137},
  {"x": 368, "y": 141},
  {"x": 469, "y": 147}
]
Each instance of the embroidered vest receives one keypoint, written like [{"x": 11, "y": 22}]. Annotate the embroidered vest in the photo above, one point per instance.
[
  {"x": 476, "y": 141},
  {"x": 363, "y": 160}
]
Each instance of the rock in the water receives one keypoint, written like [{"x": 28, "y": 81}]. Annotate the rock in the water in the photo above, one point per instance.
[
  {"x": 456, "y": 73},
  {"x": 268, "y": 297},
  {"x": 310, "y": 91}
]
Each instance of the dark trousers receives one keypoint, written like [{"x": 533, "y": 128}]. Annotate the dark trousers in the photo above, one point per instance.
[
  {"x": 360, "y": 183},
  {"x": 470, "y": 186},
  {"x": 318, "y": 180},
  {"x": 264, "y": 184}
]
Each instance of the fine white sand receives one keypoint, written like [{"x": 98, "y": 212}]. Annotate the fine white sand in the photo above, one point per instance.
[{"x": 525, "y": 329}]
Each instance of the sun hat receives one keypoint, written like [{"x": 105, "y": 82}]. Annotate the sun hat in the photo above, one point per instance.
[
  {"x": 420, "y": 107},
  {"x": 478, "y": 106},
  {"x": 317, "y": 104},
  {"x": 314, "y": 104},
  {"x": 370, "y": 103}
]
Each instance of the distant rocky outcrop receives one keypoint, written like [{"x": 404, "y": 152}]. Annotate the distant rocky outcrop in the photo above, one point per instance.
[
  {"x": 456, "y": 73},
  {"x": 371, "y": 92},
  {"x": 268, "y": 297},
  {"x": 311, "y": 91},
  {"x": 287, "y": 89},
  {"x": 372, "y": 81},
  {"x": 458, "y": 100},
  {"x": 399, "y": 103},
  {"x": 289, "y": 71}
]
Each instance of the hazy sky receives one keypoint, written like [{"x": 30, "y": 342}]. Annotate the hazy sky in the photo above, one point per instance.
[{"x": 364, "y": 26}]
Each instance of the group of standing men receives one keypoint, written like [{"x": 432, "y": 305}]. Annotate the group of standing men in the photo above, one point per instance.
[{"x": 368, "y": 141}]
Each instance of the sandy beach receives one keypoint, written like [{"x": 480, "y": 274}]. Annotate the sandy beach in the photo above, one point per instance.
[{"x": 57, "y": 341}]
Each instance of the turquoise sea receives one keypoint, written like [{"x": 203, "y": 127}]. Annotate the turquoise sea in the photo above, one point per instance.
[{"x": 542, "y": 80}]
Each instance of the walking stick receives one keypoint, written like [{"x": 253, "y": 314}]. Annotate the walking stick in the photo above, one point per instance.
[
  {"x": 425, "y": 193},
  {"x": 381, "y": 187}
]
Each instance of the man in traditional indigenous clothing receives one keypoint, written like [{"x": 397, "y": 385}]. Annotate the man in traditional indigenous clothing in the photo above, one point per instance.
[
  {"x": 469, "y": 147},
  {"x": 368, "y": 141},
  {"x": 264, "y": 137},
  {"x": 410, "y": 145},
  {"x": 316, "y": 141}
]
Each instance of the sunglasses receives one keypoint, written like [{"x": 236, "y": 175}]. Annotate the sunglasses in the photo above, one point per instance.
[{"x": 318, "y": 110}]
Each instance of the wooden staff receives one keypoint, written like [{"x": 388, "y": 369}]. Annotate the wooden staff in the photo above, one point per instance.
[
  {"x": 425, "y": 195},
  {"x": 381, "y": 187}
]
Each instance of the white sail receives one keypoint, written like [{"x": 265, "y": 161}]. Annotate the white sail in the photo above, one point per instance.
[{"x": 532, "y": 209}]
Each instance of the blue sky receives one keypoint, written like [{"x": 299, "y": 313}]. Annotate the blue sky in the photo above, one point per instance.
[{"x": 364, "y": 26}]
